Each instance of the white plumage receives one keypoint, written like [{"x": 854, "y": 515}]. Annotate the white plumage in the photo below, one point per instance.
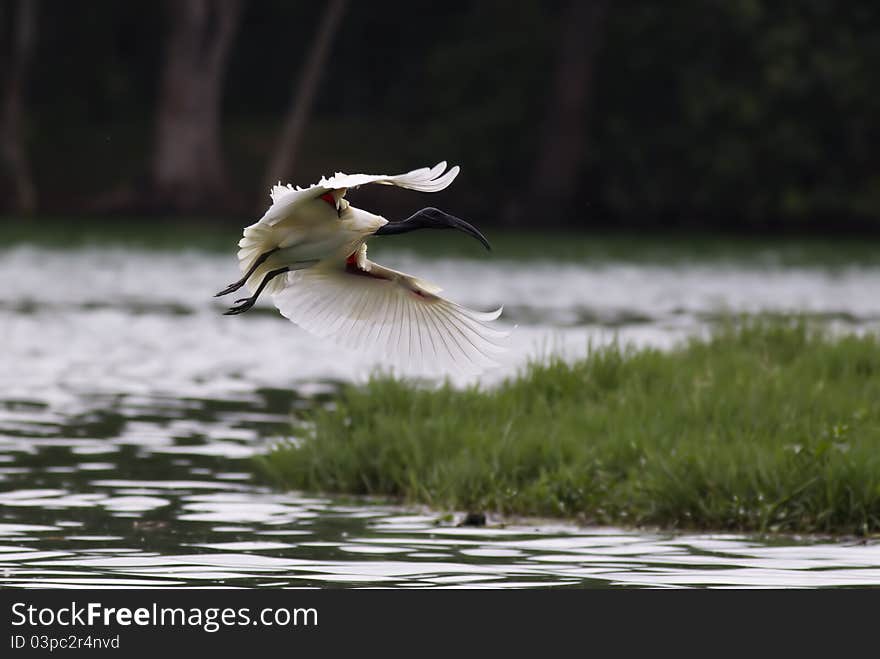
[{"x": 308, "y": 251}]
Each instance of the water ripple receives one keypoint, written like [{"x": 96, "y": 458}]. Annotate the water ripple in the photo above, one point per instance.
[{"x": 131, "y": 409}]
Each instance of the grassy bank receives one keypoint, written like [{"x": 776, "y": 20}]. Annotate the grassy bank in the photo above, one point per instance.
[{"x": 764, "y": 426}]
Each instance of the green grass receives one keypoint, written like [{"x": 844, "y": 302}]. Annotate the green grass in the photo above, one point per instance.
[{"x": 764, "y": 426}]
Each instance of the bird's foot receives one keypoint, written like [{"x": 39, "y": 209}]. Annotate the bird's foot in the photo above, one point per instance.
[
  {"x": 244, "y": 304},
  {"x": 231, "y": 288}
]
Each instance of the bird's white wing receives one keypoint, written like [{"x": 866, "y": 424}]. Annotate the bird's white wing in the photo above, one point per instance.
[
  {"x": 286, "y": 198},
  {"x": 425, "y": 179},
  {"x": 365, "y": 306}
]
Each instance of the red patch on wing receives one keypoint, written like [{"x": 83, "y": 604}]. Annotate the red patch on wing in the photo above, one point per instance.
[
  {"x": 352, "y": 268},
  {"x": 329, "y": 198}
]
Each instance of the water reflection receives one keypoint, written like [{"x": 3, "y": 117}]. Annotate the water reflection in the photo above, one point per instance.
[{"x": 129, "y": 409}]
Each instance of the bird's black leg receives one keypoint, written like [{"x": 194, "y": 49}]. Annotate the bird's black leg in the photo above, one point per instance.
[
  {"x": 241, "y": 282},
  {"x": 247, "y": 302}
]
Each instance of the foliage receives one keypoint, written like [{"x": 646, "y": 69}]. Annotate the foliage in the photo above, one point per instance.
[
  {"x": 748, "y": 114},
  {"x": 751, "y": 112}
]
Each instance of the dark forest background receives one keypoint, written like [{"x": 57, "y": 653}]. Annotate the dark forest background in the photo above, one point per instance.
[{"x": 741, "y": 114}]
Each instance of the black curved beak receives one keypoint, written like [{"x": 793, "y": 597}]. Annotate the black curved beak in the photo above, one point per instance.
[{"x": 432, "y": 218}]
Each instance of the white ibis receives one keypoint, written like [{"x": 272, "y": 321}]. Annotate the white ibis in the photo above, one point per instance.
[{"x": 309, "y": 252}]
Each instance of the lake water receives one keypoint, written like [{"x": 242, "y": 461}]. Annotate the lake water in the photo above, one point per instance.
[{"x": 130, "y": 407}]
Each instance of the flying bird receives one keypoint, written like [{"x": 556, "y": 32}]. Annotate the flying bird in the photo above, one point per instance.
[{"x": 309, "y": 252}]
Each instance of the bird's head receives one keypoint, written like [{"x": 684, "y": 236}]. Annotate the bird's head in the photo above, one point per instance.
[{"x": 431, "y": 218}]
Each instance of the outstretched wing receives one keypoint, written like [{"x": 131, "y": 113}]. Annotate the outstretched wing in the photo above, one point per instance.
[
  {"x": 425, "y": 179},
  {"x": 363, "y": 305},
  {"x": 286, "y": 198}
]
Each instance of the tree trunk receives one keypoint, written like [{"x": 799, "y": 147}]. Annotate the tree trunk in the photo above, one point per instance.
[
  {"x": 189, "y": 172},
  {"x": 13, "y": 154},
  {"x": 284, "y": 157},
  {"x": 563, "y": 137}
]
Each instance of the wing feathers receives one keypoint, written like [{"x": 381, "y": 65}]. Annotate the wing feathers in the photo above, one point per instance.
[
  {"x": 424, "y": 179},
  {"x": 392, "y": 313},
  {"x": 286, "y": 199}
]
